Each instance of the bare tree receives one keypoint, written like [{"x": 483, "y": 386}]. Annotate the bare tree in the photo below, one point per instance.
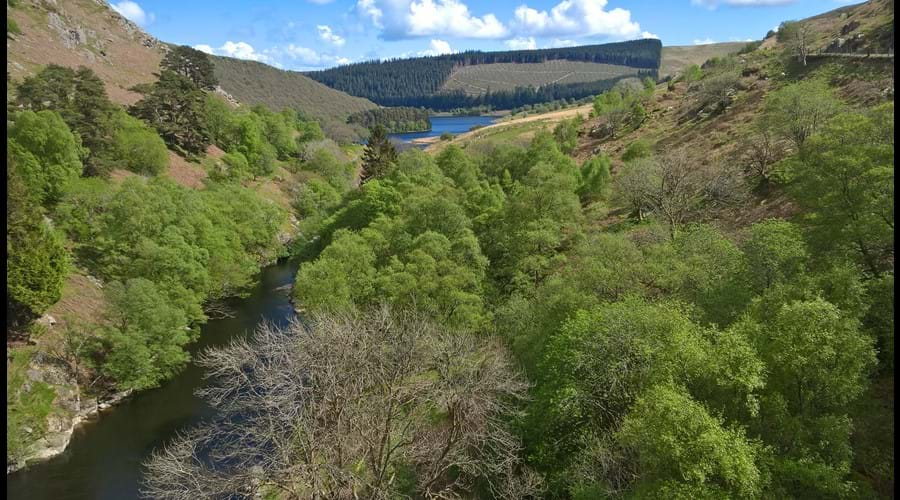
[
  {"x": 362, "y": 405},
  {"x": 797, "y": 37},
  {"x": 759, "y": 151},
  {"x": 676, "y": 187}
]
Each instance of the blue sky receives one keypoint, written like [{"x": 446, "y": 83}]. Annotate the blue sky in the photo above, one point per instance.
[{"x": 313, "y": 34}]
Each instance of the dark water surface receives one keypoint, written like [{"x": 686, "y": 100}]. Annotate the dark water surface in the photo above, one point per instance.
[
  {"x": 452, "y": 124},
  {"x": 103, "y": 461}
]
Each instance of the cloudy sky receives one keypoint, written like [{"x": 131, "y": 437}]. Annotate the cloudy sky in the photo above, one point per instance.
[{"x": 313, "y": 34}]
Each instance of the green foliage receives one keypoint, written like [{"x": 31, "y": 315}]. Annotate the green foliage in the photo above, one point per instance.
[
  {"x": 620, "y": 107},
  {"x": 47, "y": 154},
  {"x": 446, "y": 136},
  {"x": 775, "y": 253},
  {"x": 79, "y": 96},
  {"x": 393, "y": 119},
  {"x": 638, "y": 149},
  {"x": 692, "y": 73},
  {"x": 797, "y": 111},
  {"x": 686, "y": 447},
  {"x": 174, "y": 106},
  {"x": 844, "y": 175},
  {"x": 146, "y": 336},
  {"x": 566, "y": 134},
  {"x": 36, "y": 261},
  {"x": 28, "y": 403},
  {"x": 12, "y": 27},
  {"x": 191, "y": 64},
  {"x": 136, "y": 147},
  {"x": 595, "y": 178}
]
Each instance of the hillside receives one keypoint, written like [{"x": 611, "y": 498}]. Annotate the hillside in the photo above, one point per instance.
[
  {"x": 82, "y": 33},
  {"x": 89, "y": 33},
  {"x": 252, "y": 82},
  {"x": 502, "y": 80},
  {"x": 678, "y": 57},
  {"x": 867, "y": 26}
]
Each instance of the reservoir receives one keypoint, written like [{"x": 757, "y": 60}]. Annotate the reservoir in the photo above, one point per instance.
[
  {"x": 104, "y": 459},
  {"x": 441, "y": 124}
]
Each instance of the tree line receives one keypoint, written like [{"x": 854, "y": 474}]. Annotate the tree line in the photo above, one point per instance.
[{"x": 394, "y": 119}]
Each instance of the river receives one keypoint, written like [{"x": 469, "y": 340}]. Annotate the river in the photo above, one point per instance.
[
  {"x": 441, "y": 124},
  {"x": 103, "y": 460}
]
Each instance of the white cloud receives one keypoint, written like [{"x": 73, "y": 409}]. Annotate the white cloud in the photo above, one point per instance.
[
  {"x": 521, "y": 43},
  {"x": 399, "y": 19},
  {"x": 326, "y": 34},
  {"x": 307, "y": 57},
  {"x": 705, "y": 41},
  {"x": 241, "y": 50},
  {"x": 133, "y": 12},
  {"x": 712, "y": 4},
  {"x": 576, "y": 18},
  {"x": 238, "y": 50},
  {"x": 557, "y": 42},
  {"x": 647, "y": 34},
  {"x": 438, "y": 47}
]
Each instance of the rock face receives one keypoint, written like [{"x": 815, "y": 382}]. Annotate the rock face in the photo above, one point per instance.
[{"x": 70, "y": 410}]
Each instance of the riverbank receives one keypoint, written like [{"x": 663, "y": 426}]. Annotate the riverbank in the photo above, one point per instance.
[{"x": 106, "y": 450}]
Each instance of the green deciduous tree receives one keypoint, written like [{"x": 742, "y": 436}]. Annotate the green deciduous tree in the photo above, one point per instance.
[
  {"x": 47, "y": 154},
  {"x": 145, "y": 337},
  {"x": 798, "y": 110}
]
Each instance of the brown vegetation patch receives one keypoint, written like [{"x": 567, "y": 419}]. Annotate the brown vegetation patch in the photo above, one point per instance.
[
  {"x": 82, "y": 301},
  {"x": 118, "y": 175},
  {"x": 214, "y": 151},
  {"x": 184, "y": 172}
]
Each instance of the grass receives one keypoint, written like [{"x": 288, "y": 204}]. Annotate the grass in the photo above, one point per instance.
[
  {"x": 480, "y": 78},
  {"x": 675, "y": 59},
  {"x": 12, "y": 27}
]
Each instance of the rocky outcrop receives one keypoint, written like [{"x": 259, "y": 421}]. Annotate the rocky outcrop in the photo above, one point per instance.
[{"x": 69, "y": 411}]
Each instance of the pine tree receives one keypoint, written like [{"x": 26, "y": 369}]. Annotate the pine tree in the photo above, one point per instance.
[{"x": 379, "y": 155}]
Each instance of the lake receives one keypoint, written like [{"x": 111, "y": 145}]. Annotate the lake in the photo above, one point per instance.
[
  {"x": 103, "y": 460},
  {"x": 440, "y": 124}
]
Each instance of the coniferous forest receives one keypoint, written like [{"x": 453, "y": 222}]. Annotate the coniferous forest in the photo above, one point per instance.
[{"x": 417, "y": 82}]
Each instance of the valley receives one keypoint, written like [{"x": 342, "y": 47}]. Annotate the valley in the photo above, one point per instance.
[{"x": 617, "y": 270}]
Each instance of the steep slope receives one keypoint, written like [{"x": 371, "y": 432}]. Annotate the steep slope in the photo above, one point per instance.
[
  {"x": 678, "y": 57},
  {"x": 252, "y": 82},
  {"x": 82, "y": 33},
  {"x": 867, "y": 26}
]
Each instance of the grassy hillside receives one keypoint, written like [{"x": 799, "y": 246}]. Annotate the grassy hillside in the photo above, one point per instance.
[
  {"x": 855, "y": 28},
  {"x": 676, "y": 58},
  {"x": 252, "y": 82},
  {"x": 483, "y": 78}
]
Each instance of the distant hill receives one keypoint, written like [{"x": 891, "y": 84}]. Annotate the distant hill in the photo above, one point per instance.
[
  {"x": 676, "y": 58},
  {"x": 502, "y": 80},
  {"x": 252, "y": 82}
]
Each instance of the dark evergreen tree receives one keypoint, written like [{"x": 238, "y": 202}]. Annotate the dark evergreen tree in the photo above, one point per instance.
[
  {"x": 191, "y": 64},
  {"x": 79, "y": 96},
  {"x": 379, "y": 155},
  {"x": 174, "y": 106}
]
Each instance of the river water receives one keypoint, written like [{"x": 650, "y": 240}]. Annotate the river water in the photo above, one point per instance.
[
  {"x": 103, "y": 460},
  {"x": 440, "y": 124}
]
